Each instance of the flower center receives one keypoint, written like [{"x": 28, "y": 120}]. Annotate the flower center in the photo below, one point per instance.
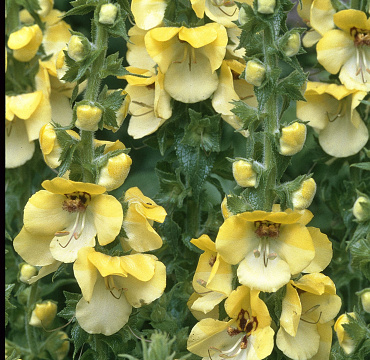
[
  {"x": 361, "y": 39},
  {"x": 75, "y": 203},
  {"x": 266, "y": 230},
  {"x": 189, "y": 52},
  {"x": 226, "y": 3},
  {"x": 246, "y": 324},
  {"x": 341, "y": 111},
  {"x": 111, "y": 286}
]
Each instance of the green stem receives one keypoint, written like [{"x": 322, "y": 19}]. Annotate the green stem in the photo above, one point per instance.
[
  {"x": 30, "y": 330},
  {"x": 192, "y": 217},
  {"x": 91, "y": 94}
]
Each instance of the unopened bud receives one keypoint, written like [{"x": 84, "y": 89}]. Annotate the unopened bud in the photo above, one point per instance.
[
  {"x": 266, "y": 6},
  {"x": 293, "y": 44},
  {"x": 365, "y": 300},
  {"x": 76, "y": 48},
  {"x": 27, "y": 271},
  {"x": 292, "y": 139},
  {"x": 45, "y": 7},
  {"x": 88, "y": 117},
  {"x": 302, "y": 198},
  {"x": 115, "y": 172},
  {"x": 44, "y": 314},
  {"x": 60, "y": 352},
  {"x": 224, "y": 209},
  {"x": 244, "y": 174},
  {"x": 108, "y": 14},
  {"x": 255, "y": 72},
  {"x": 345, "y": 341},
  {"x": 361, "y": 208}
]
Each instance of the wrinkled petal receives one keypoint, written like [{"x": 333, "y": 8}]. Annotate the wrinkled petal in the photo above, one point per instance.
[
  {"x": 104, "y": 314},
  {"x": 63, "y": 186},
  {"x": 316, "y": 283}
]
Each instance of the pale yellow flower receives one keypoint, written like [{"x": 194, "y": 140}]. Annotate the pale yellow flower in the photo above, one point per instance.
[{"x": 148, "y": 13}]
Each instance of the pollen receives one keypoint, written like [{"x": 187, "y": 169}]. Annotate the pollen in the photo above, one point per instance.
[
  {"x": 76, "y": 202},
  {"x": 266, "y": 229}
]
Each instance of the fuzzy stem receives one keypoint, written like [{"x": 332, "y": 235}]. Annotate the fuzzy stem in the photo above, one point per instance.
[{"x": 30, "y": 330}]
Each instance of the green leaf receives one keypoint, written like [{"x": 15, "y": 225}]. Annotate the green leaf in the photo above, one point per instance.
[
  {"x": 204, "y": 132},
  {"x": 356, "y": 328},
  {"x": 71, "y": 301},
  {"x": 8, "y": 304},
  {"x": 363, "y": 166},
  {"x": 237, "y": 204},
  {"x": 360, "y": 252},
  {"x": 292, "y": 85},
  {"x": 119, "y": 30},
  {"x": 246, "y": 113}
]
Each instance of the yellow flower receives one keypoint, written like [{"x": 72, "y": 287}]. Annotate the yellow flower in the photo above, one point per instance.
[
  {"x": 223, "y": 12},
  {"x": 25, "y": 42},
  {"x": 141, "y": 213},
  {"x": 148, "y": 13},
  {"x": 188, "y": 58},
  {"x": 64, "y": 218},
  {"x": 292, "y": 139},
  {"x": 247, "y": 335},
  {"x": 269, "y": 247},
  {"x": 345, "y": 341},
  {"x": 44, "y": 314},
  {"x": 212, "y": 279},
  {"x": 150, "y": 104},
  {"x": 231, "y": 88},
  {"x": 111, "y": 286},
  {"x": 319, "y": 15},
  {"x": 308, "y": 310},
  {"x": 331, "y": 110},
  {"x": 346, "y": 50},
  {"x": 25, "y": 115}
]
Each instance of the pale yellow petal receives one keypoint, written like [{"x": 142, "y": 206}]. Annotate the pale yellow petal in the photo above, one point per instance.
[
  {"x": 148, "y": 13},
  {"x": 347, "y": 19},
  {"x": 326, "y": 333},
  {"x": 291, "y": 311},
  {"x": 321, "y": 17},
  {"x": 45, "y": 270}
]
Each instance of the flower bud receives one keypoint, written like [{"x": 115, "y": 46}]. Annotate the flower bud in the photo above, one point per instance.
[
  {"x": 27, "y": 271},
  {"x": 293, "y": 44},
  {"x": 302, "y": 198},
  {"x": 345, "y": 342},
  {"x": 50, "y": 147},
  {"x": 224, "y": 209},
  {"x": 62, "y": 351},
  {"x": 292, "y": 139},
  {"x": 244, "y": 174},
  {"x": 255, "y": 72},
  {"x": 361, "y": 208},
  {"x": 115, "y": 172},
  {"x": 365, "y": 300},
  {"x": 266, "y": 6},
  {"x": 25, "y": 42},
  {"x": 43, "y": 315},
  {"x": 76, "y": 48},
  {"x": 108, "y": 14},
  {"x": 88, "y": 117}
]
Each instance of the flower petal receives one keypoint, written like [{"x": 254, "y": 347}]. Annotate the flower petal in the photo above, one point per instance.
[
  {"x": 34, "y": 249},
  {"x": 139, "y": 293},
  {"x": 207, "y": 302},
  {"x": 347, "y": 19},
  {"x": 253, "y": 273},
  {"x": 44, "y": 271},
  {"x": 260, "y": 344},
  {"x": 140, "y": 266},
  {"x": 24, "y": 105},
  {"x": 104, "y": 314},
  {"x": 291, "y": 310},
  {"x": 323, "y": 251},
  {"x": 148, "y": 13},
  {"x": 326, "y": 333}
]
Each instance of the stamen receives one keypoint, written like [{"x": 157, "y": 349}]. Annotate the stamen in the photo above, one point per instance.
[
  {"x": 313, "y": 322},
  {"x": 61, "y": 233},
  {"x": 272, "y": 256},
  {"x": 120, "y": 293},
  {"x": 74, "y": 228}
]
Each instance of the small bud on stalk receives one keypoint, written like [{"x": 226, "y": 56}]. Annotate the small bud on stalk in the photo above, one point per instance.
[
  {"x": 345, "y": 342},
  {"x": 88, "y": 117},
  {"x": 292, "y": 139},
  {"x": 266, "y": 6},
  {"x": 361, "y": 208},
  {"x": 44, "y": 314},
  {"x": 108, "y": 14},
  {"x": 77, "y": 48},
  {"x": 27, "y": 271},
  {"x": 293, "y": 45},
  {"x": 255, "y": 72},
  {"x": 244, "y": 174},
  {"x": 302, "y": 198}
]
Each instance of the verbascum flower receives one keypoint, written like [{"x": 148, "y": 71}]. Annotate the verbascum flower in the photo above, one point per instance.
[
  {"x": 212, "y": 280},
  {"x": 331, "y": 110},
  {"x": 269, "y": 247},
  {"x": 111, "y": 286},
  {"x": 50, "y": 147},
  {"x": 25, "y": 115},
  {"x": 188, "y": 58},
  {"x": 244, "y": 174},
  {"x": 25, "y": 42},
  {"x": 302, "y": 198},
  {"x": 150, "y": 104},
  {"x": 44, "y": 314},
  {"x": 345, "y": 341},
  {"x": 223, "y": 12},
  {"x": 247, "y": 335},
  {"x": 318, "y": 14},
  {"x": 232, "y": 88},
  {"x": 115, "y": 172},
  {"x": 306, "y": 320},
  {"x": 148, "y": 13},
  {"x": 292, "y": 139},
  {"x": 361, "y": 208},
  {"x": 64, "y": 218},
  {"x": 346, "y": 50},
  {"x": 138, "y": 222}
]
